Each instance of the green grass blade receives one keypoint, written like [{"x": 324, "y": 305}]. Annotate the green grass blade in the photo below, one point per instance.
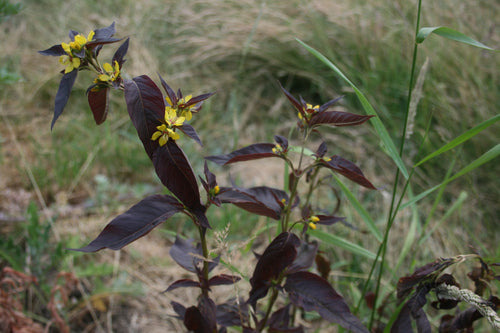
[
  {"x": 461, "y": 139},
  {"x": 360, "y": 209},
  {"x": 486, "y": 157},
  {"x": 376, "y": 122},
  {"x": 449, "y": 33},
  {"x": 342, "y": 243}
]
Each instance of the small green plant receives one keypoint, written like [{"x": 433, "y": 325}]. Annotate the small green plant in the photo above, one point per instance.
[{"x": 283, "y": 274}]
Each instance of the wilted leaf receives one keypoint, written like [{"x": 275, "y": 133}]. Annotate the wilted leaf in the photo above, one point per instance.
[
  {"x": 337, "y": 118},
  {"x": 261, "y": 200},
  {"x": 62, "y": 95},
  {"x": 276, "y": 258},
  {"x": 313, "y": 293},
  {"x": 135, "y": 223},
  {"x": 347, "y": 169},
  {"x": 98, "y": 101}
]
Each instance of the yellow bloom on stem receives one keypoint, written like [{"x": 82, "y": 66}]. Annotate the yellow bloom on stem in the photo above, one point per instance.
[
  {"x": 110, "y": 73},
  {"x": 70, "y": 60},
  {"x": 312, "y": 222},
  {"x": 70, "y": 63},
  {"x": 312, "y": 226},
  {"x": 166, "y": 131}
]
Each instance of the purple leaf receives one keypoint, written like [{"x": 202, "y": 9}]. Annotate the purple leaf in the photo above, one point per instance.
[
  {"x": 347, "y": 169},
  {"x": 120, "y": 53},
  {"x": 276, "y": 258},
  {"x": 176, "y": 173},
  {"x": 62, "y": 96},
  {"x": 260, "y": 200},
  {"x": 190, "y": 131},
  {"x": 146, "y": 108},
  {"x": 251, "y": 152},
  {"x": 232, "y": 313},
  {"x": 183, "y": 283},
  {"x": 201, "y": 319},
  {"x": 98, "y": 101},
  {"x": 186, "y": 255},
  {"x": 312, "y": 292},
  {"x": 135, "y": 223},
  {"x": 223, "y": 279},
  {"x": 179, "y": 309},
  {"x": 55, "y": 50},
  {"x": 305, "y": 257},
  {"x": 337, "y": 118}
]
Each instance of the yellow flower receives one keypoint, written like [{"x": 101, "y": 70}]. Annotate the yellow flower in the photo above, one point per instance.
[
  {"x": 110, "y": 73},
  {"x": 312, "y": 226},
  {"x": 216, "y": 189},
  {"x": 166, "y": 131},
  {"x": 314, "y": 219},
  {"x": 70, "y": 63}
]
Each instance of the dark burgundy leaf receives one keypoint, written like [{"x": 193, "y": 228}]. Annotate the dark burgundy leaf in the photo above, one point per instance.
[
  {"x": 426, "y": 273},
  {"x": 325, "y": 106},
  {"x": 329, "y": 219},
  {"x": 99, "y": 42},
  {"x": 190, "y": 131},
  {"x": 135, "y": 223},
  {"x": 312, "y": 292},
  {"x": 276, "y": 258},
  {"x": 232, "y": 313},
  {"x": 196, "y": 322},
  {"x": 146, "y": 108},
  {"x": 348, "y": 169},
  {"x": 103, "y": 33},
  {"x": 186, "y": 255},
  {"x": 176, "y": 173},
  {"x": 119, "y": 55},
  {"x": 98, "y": 101},
  {"x": 305, "y": 257},
  {"x": 223, "y": 279},
  {"x": 170, "y": 92},
  {"x": 402, "y": 324},
  {"x": 323, "y": 266},
  {"x": 322, "y": 149},
  {"x": 251, "y": 152},
  {"x": 55, "y": 50},
  {"x": 179, "y": 309},
  {"x": 282, "y": 141},
  {"x": 292, "y": 99},
  {"x": 260, "y": 200},
  {"x": 197, "y": 99},
  {"x": 183, "y": 283},
  {"x": 280, "y": 321},
  {"x": 337, "y": 118},
  {"x": 62, "y": 96}
]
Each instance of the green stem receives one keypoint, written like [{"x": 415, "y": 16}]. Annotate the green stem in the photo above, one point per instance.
[{"x": 393, "y": 210}]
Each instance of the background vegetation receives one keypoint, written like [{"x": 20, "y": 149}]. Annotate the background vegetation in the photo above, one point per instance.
[{"x": 240, "y": 49}]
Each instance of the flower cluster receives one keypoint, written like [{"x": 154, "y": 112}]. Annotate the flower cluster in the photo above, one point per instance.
[
  {"x": 75, "y": 51},
  {"x": 110, "y": 73},
  {"x": 167, "y": 129}
]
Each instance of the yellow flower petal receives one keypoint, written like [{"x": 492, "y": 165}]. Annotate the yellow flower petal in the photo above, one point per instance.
[
  {"x": 312, "y": 226},
  {"x": 163, "y": 140},
  {"x": 107, "y": 67},
  {"x": 156, "y": 135},
  {"x": 91, "y": 35}
]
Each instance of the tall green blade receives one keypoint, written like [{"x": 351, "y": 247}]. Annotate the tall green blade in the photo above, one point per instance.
[
  {"x": 449, "y": 33},
  {"x": 376, "y": 122}
]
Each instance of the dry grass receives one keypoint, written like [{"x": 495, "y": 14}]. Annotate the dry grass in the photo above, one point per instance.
[{"x": 240, "y": 48}]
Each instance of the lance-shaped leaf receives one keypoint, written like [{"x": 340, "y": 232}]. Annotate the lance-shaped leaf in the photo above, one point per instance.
[
  {"x": 232, "y": 313},
  {"x": 305, "y": 257},
  {"x": 55, "y": 51},
  {"x": 183, "y": 283},
  {"x": 223, "y": 279},
  {"x": 135, "y": 223},
  {"x": 248, "y": 153},
  {"x": 313, "y": 293},
  {"x": 201, "y": 319},
  {"x": 186, "y": 255},
  {"x": 99, "y": 103},
  {"x": 337, "y": 118},
  {"x": 261, "y": 200},
  {"x": 146, "y": 108},
  {"x": 190, "y": 131},
  {"x": 347, "y": 169},
  {"x": 176, "y": 173},
  {"x": 276, "y": 258},
  {"x": 62, "y": 96}
]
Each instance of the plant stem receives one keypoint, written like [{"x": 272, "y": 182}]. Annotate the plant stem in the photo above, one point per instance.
[
  {"x": 393, "y": 210},
  {"x": 204, "y": 247},
  {"x": 270, "y": 304}
]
